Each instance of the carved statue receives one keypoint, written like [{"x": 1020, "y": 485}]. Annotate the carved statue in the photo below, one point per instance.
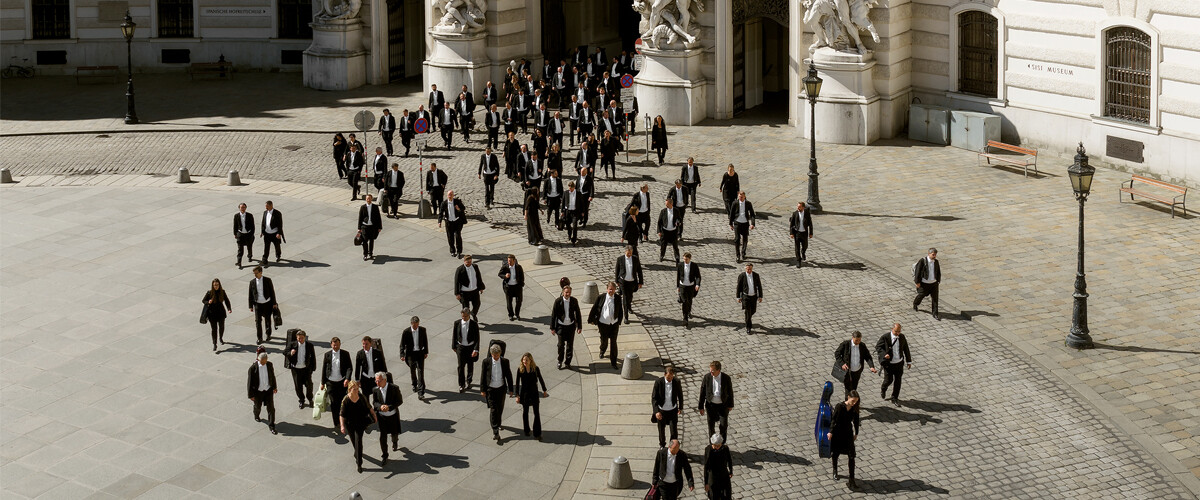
[
  {"x": 460, "y": 16},
  {"x": 836, "y": 23},
  {"x": 338, "y": 9},
  {"x": 671, "y": 20}
]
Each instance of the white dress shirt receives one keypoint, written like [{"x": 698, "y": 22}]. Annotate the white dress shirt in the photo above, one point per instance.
[
  {"x": 855, "y": 358},
  {"x": 669, "y": 402},
  {"x": 716, "y": 385},
  {"x": 258, "y": 286},
  {"x": 608, "y": 311},
  {"x": 750, "y": 284},
  {"x": 628, "y": 269},
  {"x": 741, "y": 218},
  {"x": 335, "y": 365},
  {"x": 669, "y": 477},
  {"x": 264, "y": 382},
  {"x": 268, "y": 228},
  {"x": 301, "y": 355},
  {"x": 370, "y": 364},
  {"x": 464, "y": 328},
  {"x": 929, "y": 277},
  {"x": 497, "y": 379},
  {"x": 471, "y": 279},
  {"x": 383, "y": 401},
  {"x": 566, "y": 317},
  {"x": 897, "y": 357}
]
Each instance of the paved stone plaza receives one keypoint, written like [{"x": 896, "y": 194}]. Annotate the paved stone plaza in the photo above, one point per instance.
[{"x": 994, "y": 405}]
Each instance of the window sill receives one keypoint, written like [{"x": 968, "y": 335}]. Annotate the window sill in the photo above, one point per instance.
[
  {"x": 990, "y": 101},
  {"x": 51, "y": 41},
  {"x": 1124, "y": 125}
]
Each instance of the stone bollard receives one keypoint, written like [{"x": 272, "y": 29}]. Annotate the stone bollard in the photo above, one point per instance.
[
  {"x": 632, "y": 369},
  {"x": 6, "y": 176},
  {"x": 619, "y": 476},
  {"x": 542, "y": 258},
  {"x": 591, "y": 292},
  {"x": 424, "y": 209},
  {"x": 184, "y": 178},
  {"x": 234, "y": 178}
]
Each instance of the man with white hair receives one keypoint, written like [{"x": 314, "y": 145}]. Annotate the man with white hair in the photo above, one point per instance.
[
  {"x": 261, "y": 389},
  {"x": 387, "y": 398},
  {"x": 495, "y": 381},
  {"x": 718, "y": 469}
]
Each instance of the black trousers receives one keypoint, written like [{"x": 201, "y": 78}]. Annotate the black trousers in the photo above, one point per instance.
[
  {"x": 218, "y": 329},
  {"x": 687, "y": 293},
  {"x": 393, "y": 199},
  {"x": 383, "y": 436},
  {"x": 669, "y": 418},
  {"x": 454, "y": 237},
  {"x": 535, "y": 403},
  {"x": 465, "y": 122},
  {"x": 268, "y": 241},
  {"x": 727, "y": 198},
  {"x": 849, "y": 458},
  {"x": 447, "y": 135},
  {"x": 469, "y": 299},
  {"x": 245, "y": 243},
  {"x": 493, "y": 139},
  {"x": 265, "y": 398},
  {"x": 851, "y": 380},
  {"x": 554, "y": 207},
  {"x": 262, "y": 313},
  {"x": 643, "y": 223},
  {"x": 341, "y": 165},
  {"x": 628, "y": 288},
  {"x": 566, "y": 343},
  {"x": 406, "y": 140},
  {"x": 741, "y": 238},
  {"x": 435, "y": 198},
  {"x": 801, "y": 246},
  {"x": 495, "y": 402},
  {"x": 608, "y": 333},
  {"x": 302, "y": 380},
  {"x": 930, "y": 289},
  {"x": 720, "y": 493},
  {"x": 662, "y": 152},
  {"x": 609, "y": 165},
  {"x": 489, "y": 188},
  {"x": 668, "y": 238},
  {"x": 353, "y": 177},
  {"x": 366, "y": 382},
  {"x": 387, "y": 135},
  {"x": 584, "y": 130},
  {"x": 513, "y": 295},
  {"x": 336, "y": 392},
  {"x": 466, "y": 368},
  {"x": 368, "y": 243},
  {"x": 891, "y": 372},
  {"x": 574, "y": 124},
  {"x": 670, "y": 491},
  {"x": 749, "y": 307},
  {"x": 356, "y": 440},
  {"x": 690, "y": 199},
  {"x": 416, "y": 370},
  {"x": 718, "y": 416},
  {"x": 571, "y": 220}
]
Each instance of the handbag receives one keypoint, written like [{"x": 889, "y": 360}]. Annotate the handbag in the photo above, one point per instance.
[
  {"x": 278, "y": 317},
  {"x": 321, "y": 404},
  {"x": 358, "y": 239},
  {"x": 838, "y": 373},
  {"x": 652, "y": 494},
  {"x": 204, "y": 314}
]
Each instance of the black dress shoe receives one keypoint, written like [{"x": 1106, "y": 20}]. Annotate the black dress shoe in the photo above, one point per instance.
[
  {"x": 360, "y": 469},
  {"x": 560, "y": 366},
  {"x": 851, "y": 484},
  {"x": 914, "y": 307},
  {"x": 273, "y": 431},
  {"x": 937, "y": 317},
  {"x": 383, "y": 462},
  {"x": 214, "y": 347},
  {"x": 302, "y": 405}
]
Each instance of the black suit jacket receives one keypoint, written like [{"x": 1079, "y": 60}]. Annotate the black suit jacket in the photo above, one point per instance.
[
  {"x": 276, "y": 222},
  {"x": 376, "y": 219},
  {"x": 884, "y": 348},
  {"x": 842, "y": 354},
  {"x": 743, "y": 287},
  {"x": 923, "y": 268},
  {"x": 447, "y": 123},
  {"x": 252, "y": 379},
  {"x": 517, "y": 269},
  {"x": 387, "y": 181},
  {"x": 355, "y": 160},
  {"x": 678, "y": 195},
  {"x": 360, "y": 363},
  {"x": 734, "y": 209},
  {"x": 492, "y": 122},
  {"x": 441, "y": 178},
  {"x": 677, "y": 214},
  {"x": 658, "y": 396},
  {"x": 238, "y": 227},
  {"x": 460, "y": 212},
  {"x": 718, "y": 466},
  {"x": 437, "y": 100},
  {"x": 268, "y": 292},
  {"x": 586, "y": 186},
  {"x": 618, "y": 309},
  {"x": 558, "y": 186},
  {"x": 637, "y": 269},
  {"x": 693, "y": 273},
  {"x": 706, "y": 390},
  {"x": 408, "y": 348},
  {"x": 571, "y": 311},
  {"x": 461, "y": 280},
  {"x": 472, "y": 334},
  {"x": 389, "y": 121},
  {"x": 347, "y": 366},
  {"x": 485, "y": 374},
  {"x": 683, "y": 175},
  {"x": 381, "y": 164},
  {"x": 798, "y": 224},
  {"x": 682, "y": 468},
  {"x": 394, "y": 398},
  {"x": 309, "y": 353}
]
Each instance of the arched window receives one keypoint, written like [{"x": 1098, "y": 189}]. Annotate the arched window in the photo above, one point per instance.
[
  {"x": 1127, "y": 74},
  {"x": 978, "y": 53}
]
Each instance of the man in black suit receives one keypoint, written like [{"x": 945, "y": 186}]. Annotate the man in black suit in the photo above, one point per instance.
[
  {"x": 406, "y": 130},
  {"x": 573, "y": 203},
  {"x": 749, "y": 294},
  {"x": 355, "y": 161},
  {"x": 262, "y": 302},
  {"x": 629, "y": 274},
  {"x": 435, "y": 184},
  {"x": 261, "y": 389},
  {"x": 670, "y": 226},
  {"x": 927, "y": 274},
  {"x": 573, "y": 112},
  {"x": 509, "y": 118},
  {"x": 666, "y": 399},
  {"x": 448, "y": 116},
  {"x": 301, "y": 358},
  {"x": 243, "y": 233},
  {"x": 437, "y": 101},
  {"x": 670, "y": 467},
  {"x": 454, "y": 213},
  {"x": 387, "y": 397},
  {"x": 687, "y": 282},
  {"x": 464, "y": 341},
  {"x": 892, "y": 350},
  {"x": 587, "y": 189},
  {"x": 492, "y": 121},
  {"x": 584, "y": 157},
  {"x": 800, "y": 226},
  {"x": 379, "y": 165},
  {"x": 464, "y": 106},
  {"x": 587, "y": 120},
  {"x": 531, "y": 175},
  {"x": 393, "y": 183},
  {"x": 679, "y": 194},
  {"x": 489, "y": 171},
  {"x": 354, "y": 142},
  {"x": 337, "y": 371},
  {"x": 853, "y": 356},
  {"x": 490, "y": 95},
  {"x": 414, "y": 348},
  {"x": 641, "y": 200},
  {"x": 716, "y": 398},
  {"x": 690, "y": 175},
  {"x": 367, "y": 363},
  {"x": 427, "y": 115},
  {"x": 552, "y": 192},
  {"x": 513, "y": 278},
  {"x": 495, "y": 382},
  {"x": 271, "y": 231},
  {"x": 606, "y": 314},
  {"x": 523, "y": 105},
  {"x": 387, "y": 127},
  {"x": 541, "y": 118},
  {"x": 557, "y": 128},
  {"x": 468, "y": 285},
  {"x": 565, "y": 322},
  {"x": 370, "y": 223},
  {"x": 741, "y": 221}
]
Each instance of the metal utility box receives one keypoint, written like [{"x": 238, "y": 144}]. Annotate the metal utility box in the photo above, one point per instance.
[
  {"x": 929, "y": 123},
  {"x": 971, "y": 130}
]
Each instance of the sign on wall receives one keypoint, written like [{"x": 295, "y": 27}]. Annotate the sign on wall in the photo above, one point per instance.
[{"x": 235, "y": 11}]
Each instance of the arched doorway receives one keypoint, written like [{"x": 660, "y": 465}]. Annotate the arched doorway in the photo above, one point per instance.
[
  {"x": 569, "y": 24},
  {"x": 760, "y": 68}
]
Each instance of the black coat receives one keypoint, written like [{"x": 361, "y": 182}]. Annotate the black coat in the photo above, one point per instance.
[
  {"x": 516, "y": 269},
  {"x": 842, "y": 355},
  {"x": 884, "y": 348},
  {"x": 252, "y": 379},
  {"x": 706, "y": 390},
  {"x": 683, "y": 175},
  {"x": 215, "y": 311},
  {"x": 460, "y": 212},
  {"x": 347, "y": 366},
  {"x": 437, "y": 100},
  {"x": 682, "y": 468},
  {"x": 387, "y": 182},
  {"x": 527, "y": 386},
  {"x": 658, "y": 137},
  {"x": 441, "y": 178},
  {"x": 489, "y": 163},
  {"x": 630, "y": 232},
  {"x": 598, "y": 306},
  {"x": 408, "y": 347},
  {"x": 730, "y": 185},
  {"x": 360, "y": 363},
  {"x": 800, "y": 224},
  {"x": 238, "y": 227},
  {"x": 485, "y": 374},
  {"x": 718, "y": 467},
  {"x": 677, "y": 217},
  {"x": 472, "y": 334},
  {"x": 844, "y": 426},
  {"x": 743, "y": 287},
  {"x": 276, "y": 221},
  {"x": 309, "y": 353},
  {"x": 637, "y": 269},
  {"x": 923, "y": 268},
  {"x": 693, "y": 273},
  {"x": 461, "y": 280},
  {"x": 735, "y": 209},
  {"x": 387, "y": 425},
  {"x": 268, "y": 293},
  {"x": 571, "y": 311},
  {"x": 376, "y": 217},
  {"x": 658, "y": 395}
]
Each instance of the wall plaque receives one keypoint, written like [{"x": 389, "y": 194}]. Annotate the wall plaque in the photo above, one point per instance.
[
  {"x": 1125, "y": 149},
  {"x": 234, "y": 11}
]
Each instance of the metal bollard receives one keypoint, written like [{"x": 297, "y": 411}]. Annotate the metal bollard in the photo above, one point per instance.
[
  {"x": 6, "y": 176},
  {"x": 619, "y": 476},
  {"x": 184, "y": 177},
  {"x": 424, "y": 209},
  {"x": 234, "y": 178},
  {"x": 632, "y": 369},
  {"x": 591, "y": 292},
  {"x": 542, "y": 258}
]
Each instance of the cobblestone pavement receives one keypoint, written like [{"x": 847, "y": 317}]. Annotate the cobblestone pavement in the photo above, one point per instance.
[{"x": 982, "y": 416}]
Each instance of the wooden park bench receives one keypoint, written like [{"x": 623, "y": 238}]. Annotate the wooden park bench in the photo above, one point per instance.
[
  {"x": 1179, "y": 199},
  {"x": 1024, "y": 157},
  {"x": 112, "y": 72},
  {"x": 223, "y": 69}
]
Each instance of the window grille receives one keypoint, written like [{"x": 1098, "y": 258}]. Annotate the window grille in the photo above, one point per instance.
[
  {"x": 977, "y": 53},
  {"x": 1127, "y": 75},
  {"x": 51, "y": 19}
]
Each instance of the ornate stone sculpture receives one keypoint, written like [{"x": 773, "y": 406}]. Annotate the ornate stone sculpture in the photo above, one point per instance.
[
  {"x": 669, "y": 24},
  {"x": 836, "y": 23},
  {"x": 338, "y": 9},
  {"x": 460, "y": 16}
]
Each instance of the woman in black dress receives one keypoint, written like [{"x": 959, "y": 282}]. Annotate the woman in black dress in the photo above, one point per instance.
[
  {"x": 528, "y": 378},
  {"x": 533, "y": 221},
  {"x": 339, "y": 154},
  {"x": 216, "y": 314},
  {"x": 630, "y": 232},
  {"x": 729, "y": 187},
  {"x": 843, "y": 431},
  {"x": 357, "y": 415},
  {"x": 658, "y": 138}
]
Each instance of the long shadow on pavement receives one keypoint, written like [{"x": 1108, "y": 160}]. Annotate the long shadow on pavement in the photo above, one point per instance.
[
  {"x": 754, "y": 457},
  {"x": 898, "y": 485},
  {"x": 409, "y": 462},
  {"x": 1135, "y": 348},
  {"x": 891, "y": 415}
]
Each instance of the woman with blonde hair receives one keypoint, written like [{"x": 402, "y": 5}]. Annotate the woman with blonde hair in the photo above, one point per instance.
[
  {"x": 528, "y": 376},
  {"x": 356, "y": 416}
]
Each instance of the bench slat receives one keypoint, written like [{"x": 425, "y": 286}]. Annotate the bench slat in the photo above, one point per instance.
[
  {"x": 1151, "y": 196},
  {"x": 1016, "y": 160},
  {"x": 1010, "y": 147},
  {"x": 1161, "y": 184}
]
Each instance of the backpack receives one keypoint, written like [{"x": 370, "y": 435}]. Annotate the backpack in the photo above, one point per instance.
[{"x": 914, "y": 269}]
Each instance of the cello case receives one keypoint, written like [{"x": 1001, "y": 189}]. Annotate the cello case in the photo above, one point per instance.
[{"x": 824, "y": 420}]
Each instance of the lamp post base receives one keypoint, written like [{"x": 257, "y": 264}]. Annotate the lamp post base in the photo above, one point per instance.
[{"x": 1079, "y": 341}]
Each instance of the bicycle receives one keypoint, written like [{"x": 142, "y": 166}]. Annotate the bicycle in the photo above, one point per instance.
[{"x": 14, "y": 69}]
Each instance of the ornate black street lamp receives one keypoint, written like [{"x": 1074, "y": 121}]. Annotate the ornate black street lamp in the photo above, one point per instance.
[
  {"x": 1081, "y": 182},
  {"x": 812, "y": 87},
  {"x": 127, "y": 28}
]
